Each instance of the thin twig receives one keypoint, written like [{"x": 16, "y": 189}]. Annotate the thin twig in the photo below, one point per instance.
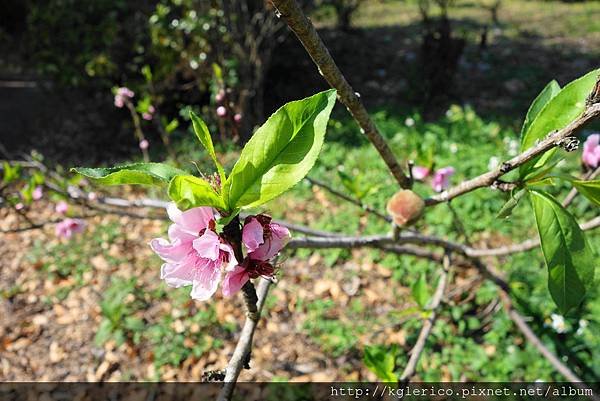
[
  {"x": 384, "y": 241},
  {"x": 310, "y": 39},
  {"x": 241, "y": 354},
  {"x": 520, "y": 322},
  {"x": 350, "y": 199},
  {"x": 428, "y": 323},
  {"x": 488, "y": 179}
]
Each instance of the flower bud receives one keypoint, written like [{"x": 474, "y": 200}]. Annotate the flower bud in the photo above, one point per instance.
[{"x": 405, "y": 207}]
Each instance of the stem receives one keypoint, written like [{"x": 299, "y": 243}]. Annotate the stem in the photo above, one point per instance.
[{"x": 310, "y": 39}]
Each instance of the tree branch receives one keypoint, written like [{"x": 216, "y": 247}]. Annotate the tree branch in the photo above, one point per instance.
[
  {"x": 241, "y": 354},
  {"x": 488, "y": 179},
  {"x": 308, "y": 36}
]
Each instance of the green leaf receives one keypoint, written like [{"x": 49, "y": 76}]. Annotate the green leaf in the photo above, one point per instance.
[
  {"x": 589, "y": 189},
  {"x": 137, "y": 173},
  {"x": 420, "y": 291},
  {"x": 189, "y": 191},
  {"x": 281, "y": 152},
  {"x": 508, "y": 207},
  {"x": 203, "y": 135},
  {"x": 549, "y": 92},
  {"x": 381, "y": 362},
  {"x": 556, "y": 114},
  {"x": 568, "y": 255}
]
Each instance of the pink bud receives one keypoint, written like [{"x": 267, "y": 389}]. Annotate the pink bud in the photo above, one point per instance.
[
  {"x": 221, "y": 111},
  {"x": 237, "y": 117},
  {"x": 61, "y": 207},
  {"x": 124, "y": 91},
  {"x": 220, "y": 96},
  {"x": 19, "y": 206},
  {"x": 147, "y": 116},
  {"x": 144, "y": 144},
  {"x": 92, "y": 196},
  {"x": 419, "y": 172},
  {"x": 151, "y": 109},
  {"x": 119, "y": 102},
  {"x": 37, "y": 193}
]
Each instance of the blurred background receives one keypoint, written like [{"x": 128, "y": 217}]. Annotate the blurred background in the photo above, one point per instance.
[{"x": 448, "y": 82}]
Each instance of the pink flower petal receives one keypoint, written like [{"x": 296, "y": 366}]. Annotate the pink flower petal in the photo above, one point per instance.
[
  {"x": 252, "y": 235},
  {"x": 208, "y": 245},
  {"x": 205, "y": 283},
  {"x": 234, "y": 280},
  {"x": 179, "y": 274},
  {"x": 591, "y": 151},
  {"x": 192, "y": 220},
  {"x": 61, "y": 207},
  {"x": 441, "y": 179},
  {"x": 37, "y": 193},
  {"x": 272, "y": 246}
]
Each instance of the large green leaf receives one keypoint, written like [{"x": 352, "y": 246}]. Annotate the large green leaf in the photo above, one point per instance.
[
  {"x": 589, "y": 189},
  {"x": 556, "y": 114},
  {"x": 189, "y": 191},
  {"x": 538, "y": 104},
  {"x": 281, "y": 151},
  {"x": 203, "y": 135},
  {"x": 568, "y": 255},
  {"x": 137, "y": 173},
  {"x": 381, "y": 362}
]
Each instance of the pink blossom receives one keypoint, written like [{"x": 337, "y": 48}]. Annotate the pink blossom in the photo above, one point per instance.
[
  {"x": 144, "y": 144},
  {"x": 37, "y": 193},
  {"x": 125, "y": 92},
  {"x": 194, "y": 253},
  {"x": 419, "y": 173},
  {"x": 262, "y": 238},
  {"x": 237, "y": 117},
  {"x": 147, "y": 116},
  {"x": 151, "y": 109},
  {"x": 68, "y": 227},
  {"x": 591, "y": 151},
  {"x": 92, "y": 196},
  {"x": 220, "y": 96},
  {"x": 221, "y": 111},
  {"x": 61, "y": 207},
  {"x": 441, "y": 178},
  {"x": 19, "y": 206},
  {"x": 119, "y": 101},
  {"x": 121, "y": 95}
]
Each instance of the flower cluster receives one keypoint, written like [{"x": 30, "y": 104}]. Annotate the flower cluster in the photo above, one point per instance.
[
  {"x": 122, "y": 95},
  {"x": 195, "y": 254},
  {"x": 591, "y": 151},
  {"x": 441, "y": 177},
  {"x": 67, "y": 227}
]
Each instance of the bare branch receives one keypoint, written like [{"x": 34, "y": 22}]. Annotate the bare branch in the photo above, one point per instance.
[
  {"x": 241, "y": 354},
  {"x": 385, "y": 241},
  {"x": 308, "y": 36},
  {"x": 488, "y": 179},
  {"x": 520, "y": 322}
]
